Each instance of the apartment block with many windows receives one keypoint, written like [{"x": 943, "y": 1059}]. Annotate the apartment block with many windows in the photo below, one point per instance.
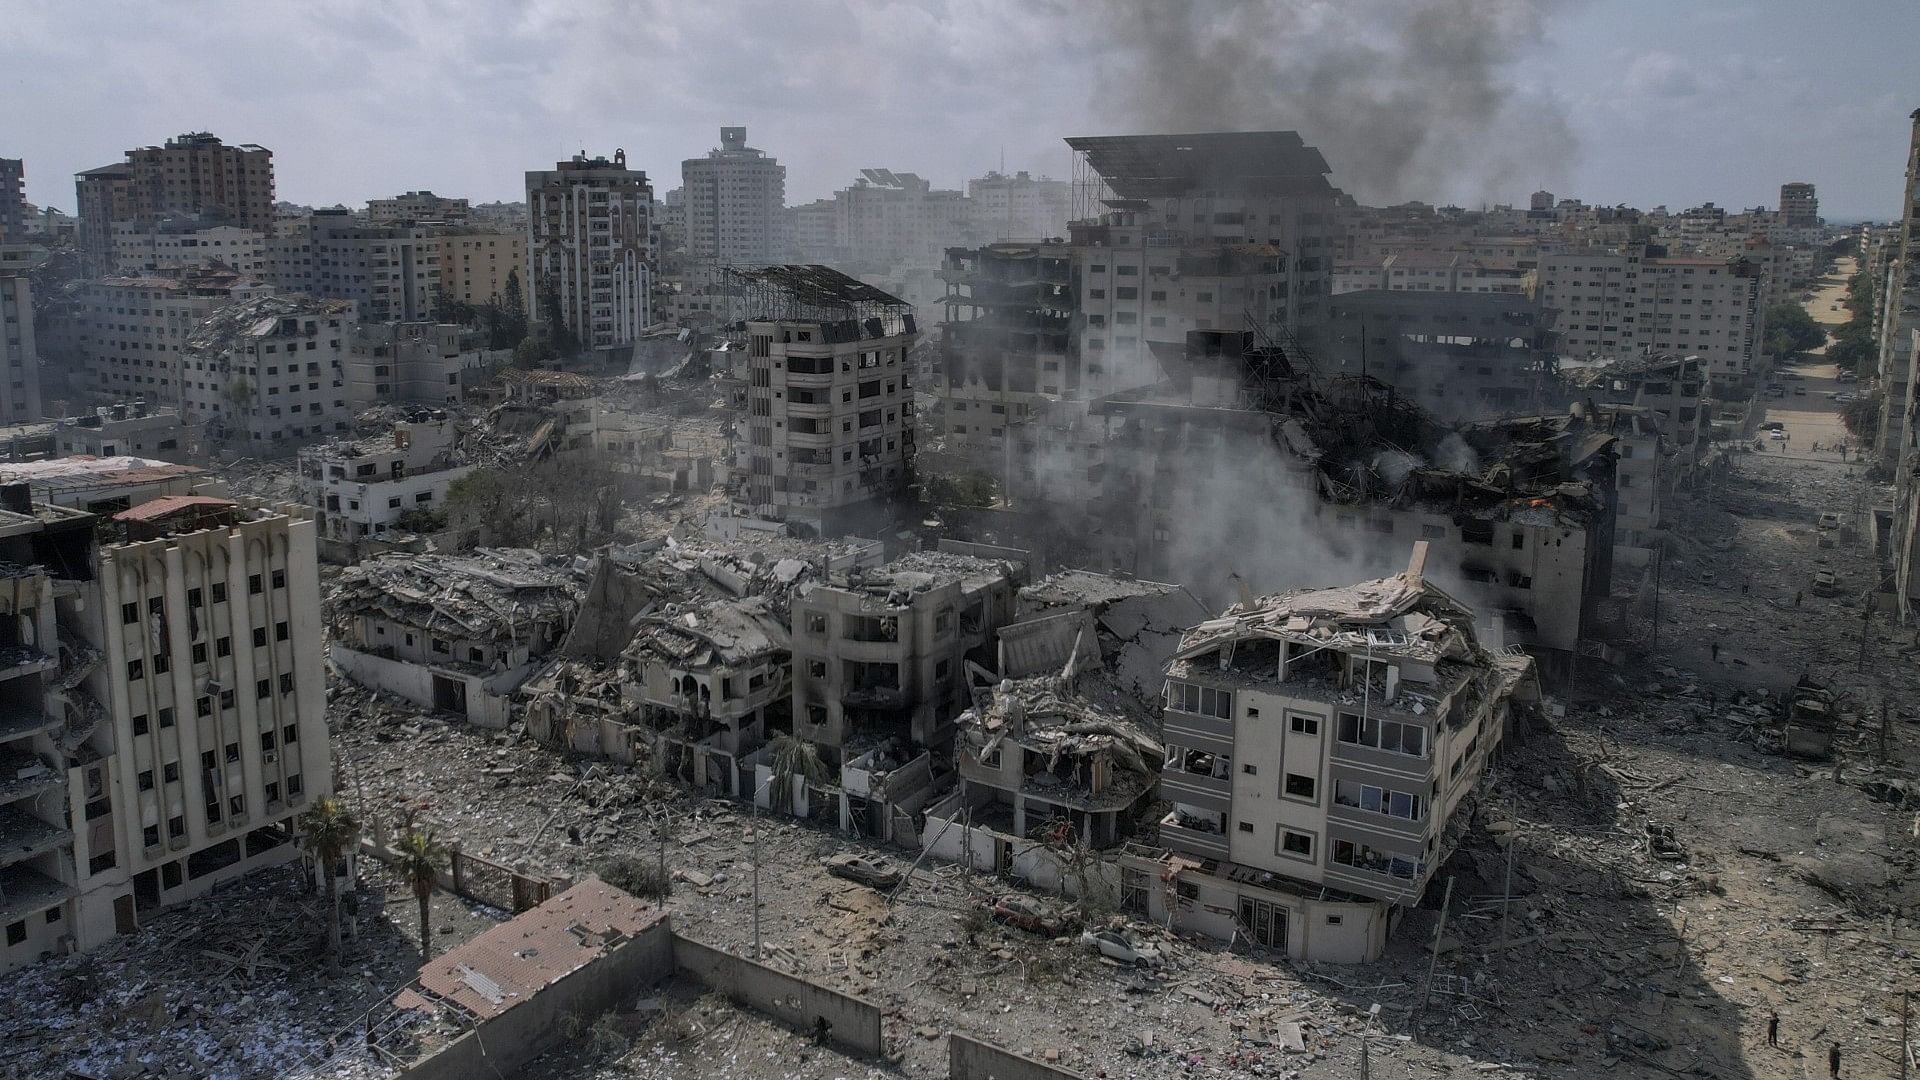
[{"x": 1317, "y": 744}]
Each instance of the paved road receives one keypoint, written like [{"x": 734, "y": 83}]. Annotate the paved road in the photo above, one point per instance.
[{"x": 1809, "y": 412}]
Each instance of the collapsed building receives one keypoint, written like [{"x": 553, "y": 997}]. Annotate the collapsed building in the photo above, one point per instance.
[
  {"x": 1318, "y": 746},
  {"x": 1207, "y": 478},
  {"x": 457, "y": 633},
  {"x": 369, "y": 489},
  {"x": 1461, "y": 355}
]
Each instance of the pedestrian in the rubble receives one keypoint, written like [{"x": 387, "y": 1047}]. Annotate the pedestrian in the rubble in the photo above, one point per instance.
[
  {"x": 1833, "y": 1061},
  {"x": 1715, "y": 646},
  {"x": 1773, "y": 1028},
  {"x": 1796, "y": 598}
]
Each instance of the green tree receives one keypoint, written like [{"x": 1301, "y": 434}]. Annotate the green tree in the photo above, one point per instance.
[
  {"x": 1790, "y": 331},
  {"x": 420, "y": 859},
  {"x": 793, "y": 759},
  {"x": 329, "y": 831},
  {"x": 1862, "y": 417}
]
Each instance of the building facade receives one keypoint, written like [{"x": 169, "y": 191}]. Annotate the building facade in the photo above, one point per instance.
[
  {"x": 589, "y": 248},
  {"x": 1317, "y": 744},
  {"x": 389, "y": 272},
  {"x": 269, "y": 373},
  {"x": 13, "y": 200},
  {"x": 1799, "y": 206},
  {"x": 417, "y": 207},
  {"x": 734, "y": 201},
  {"x": 364, "y": 489},
  {"x": 19, "y": 359},
  {"x": 476, "y": 267},
  {"x": 196, "y": 175},
  {"x": 828, "y": 437}
]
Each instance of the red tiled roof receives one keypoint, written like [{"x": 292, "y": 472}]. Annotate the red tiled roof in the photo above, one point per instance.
[
  {"x": 522, "y": 956},
  {"x": 168, "y": 505}
]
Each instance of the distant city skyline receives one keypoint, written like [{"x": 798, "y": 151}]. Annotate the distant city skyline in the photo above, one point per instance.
[{"x": 1631, "y": 101}]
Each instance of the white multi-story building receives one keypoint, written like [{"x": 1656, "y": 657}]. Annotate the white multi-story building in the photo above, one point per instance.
[
  {"x": 1317, "y": 743},
  {"x": 1618, "y": 303},
  {"x": 589, "y": 248},
  {"x": 390, "y": 272},
  {"x": 1020, "y": 207},
  {"x": 417, "y": 206},
  {"x": 829, "y": 427},
  {"x": 130, "y": 331},
  {"x": 268, "y": 374},
  {"x": 734, "y": 201},
  {"x": 363, "y": 488},
  {"x": 19, "y": 361},
  {"x": 165, "y": 707},
  {"x": 139, "y": 248}
]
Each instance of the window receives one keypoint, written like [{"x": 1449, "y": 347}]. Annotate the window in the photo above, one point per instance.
[
  {"x": 1246, "y": 826},
  {"x": 161, "y": 665},
  {"x": 1296, "y": 845},
  {"x": 223, "y": 646},
  {"x": 203, "y": 706},
  {"x": 1299, "y": 787},
  {"x": 1202, "y": 700},
  {"x": 140, "y": 724},
  {"x": 146, "y": 780},
  {"x": 237, "y": 805},
  {"x": 219, "y": 592},
  {"x": 129, "y": 614},
  {"x": 16, "y": 932},
  {"x": 263, "y": 688},
  {"x": 293, "y": 785},
  {"x": 1250, "y": 770},
  {"x": 151, "y": 835},
  {"x": 195, "y": 598},
  {"x": 136, "y": 669},
  {"x": 260, "y": 637},
  {"x": 286, "y": 683},
  {"x": 1409, "y": 739},
  {"x": 290, "y": 733},
  {"x": 176, "y": 826},
  {"x": 441, "y": 645},
  {"x": 1304, "y": 725},
  {"x": 226, "y": 699},
  {"x": 200, "y": 653},
  {"x": 254, "y": 583},
  {"x": 816, "y": 624},
  {"x": 279, "y": 579},
  {"x": 171, "y": 774},
  {"x": 53, "y": 915}
]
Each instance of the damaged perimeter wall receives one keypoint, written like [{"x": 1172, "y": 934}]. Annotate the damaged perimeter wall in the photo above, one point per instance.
[
  {"x": 971, "y": 1059},
  {"x": 485, "y": 700},
  {"x": 797, "y": 1002}
]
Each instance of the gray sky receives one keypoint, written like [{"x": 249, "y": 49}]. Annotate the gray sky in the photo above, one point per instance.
[{"x": 1636, "y": 101}]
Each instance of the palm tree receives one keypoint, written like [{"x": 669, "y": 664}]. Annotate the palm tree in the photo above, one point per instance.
[
  {"x": 420, "y": 858},
  {"x": 792, "y": 758},
  {"x": 328, "y": 831}
]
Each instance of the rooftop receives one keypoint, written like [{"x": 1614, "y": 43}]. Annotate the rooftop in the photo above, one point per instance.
[
  {"x": 1246, "y": 162},
  {"x": 489, "y": 593},
  {"x": 717, "y": 632}
]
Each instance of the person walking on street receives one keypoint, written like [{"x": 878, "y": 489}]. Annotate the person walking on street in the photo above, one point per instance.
[
  {"x": 1833, "y": 1061},
  {"x": 1715, "y": 646},
  {"x": 1773, "y": 1028}
]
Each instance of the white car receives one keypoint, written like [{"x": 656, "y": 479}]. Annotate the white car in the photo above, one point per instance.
[
  {"x": 1776, "y": 434},
  {"x": 1114, "y": 945},
  {"x": 1843, "y": 398}
]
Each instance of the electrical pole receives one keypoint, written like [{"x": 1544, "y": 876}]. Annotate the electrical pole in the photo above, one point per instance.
[
  {"x": 661, "y": 829},
  {"x": 1866, "y": 617},
  {"x": 1506, "y": 891},
  {"x": 756, "y": 871},
  {"x": 1905, "y": 1053},
  {"x": 1659, "y": 559}
]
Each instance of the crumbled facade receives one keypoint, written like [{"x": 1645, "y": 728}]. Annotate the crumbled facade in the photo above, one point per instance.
[
  {"x": 457, "y": 633},
  {"x": 364, "y": 489},
  {"x": 1318, "y": 746},
  {"x": 268, "y": 374}
]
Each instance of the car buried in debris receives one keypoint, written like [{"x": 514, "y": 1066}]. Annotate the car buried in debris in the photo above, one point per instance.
[
  {"x": 1031, "y": 915},
  {"x": 873, "y": 873}
]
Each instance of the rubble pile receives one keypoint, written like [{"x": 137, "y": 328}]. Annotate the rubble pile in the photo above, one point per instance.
[{"x": 489, "y": 593}]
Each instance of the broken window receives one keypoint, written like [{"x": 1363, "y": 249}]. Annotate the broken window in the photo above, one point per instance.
[
  {"x": 1299, "y": 787},
  {"x": 1297, "y": 845}
]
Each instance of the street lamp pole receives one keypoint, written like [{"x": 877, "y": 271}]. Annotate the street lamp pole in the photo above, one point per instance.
[{"x": 755, "y": 800}]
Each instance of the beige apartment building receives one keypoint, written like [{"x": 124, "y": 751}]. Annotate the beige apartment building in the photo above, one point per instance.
[
  {"x": 166, "y": 702},
  {"x": 590, "y": 248},
  {"x": 19, "y": 359},
  {"x": 475, "y": 266}
]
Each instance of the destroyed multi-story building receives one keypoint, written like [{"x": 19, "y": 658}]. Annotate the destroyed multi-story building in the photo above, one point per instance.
[
  {"x": 457, "y": 633},
  {"x": 417, "y": 206},
  {"x": 165, "y": 702},
  {"x": 416, "y": 363},
  {"x": 590, "y": 252},
  {"x": 828, "y": 436},
  {"x": 1319, "y": 744},
  {"x": 1674, "y": 389},
  {"x": 1462, "y": 355},
  {"x": 365, "y": 490},
  {"x": 177, "y": 243},
  {"x": 713, "y": 682},
  {"x": 130, "y": 332},
  {"x": 269, "y": 373},
  {"x": 879, "y": 655},
  {"x": 194, "y": 177},
  {"x": 1174, "y": 233}
]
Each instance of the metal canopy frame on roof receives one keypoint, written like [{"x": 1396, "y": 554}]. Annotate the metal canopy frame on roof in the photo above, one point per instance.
[
  {"x": 1220, "y": 162},
  {"x": 793, "y": 292}
]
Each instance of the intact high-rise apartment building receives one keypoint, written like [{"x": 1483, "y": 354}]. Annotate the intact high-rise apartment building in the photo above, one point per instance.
[
  {"x": 19, "y": 362},
  {"x": 193, "y": 176},
  {"x": 589, "y": 248},
  {"x": 734, "y": 202}
]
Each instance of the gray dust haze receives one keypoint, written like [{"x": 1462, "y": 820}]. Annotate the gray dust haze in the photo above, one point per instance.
[{"x": 1407, "y": 100}]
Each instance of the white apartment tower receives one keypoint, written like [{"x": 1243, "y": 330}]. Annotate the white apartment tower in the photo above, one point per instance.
[
  {"x": 829, "y": 431},
  {"x": 589, "y": 248},
  {"x": 734, "y": 201}
]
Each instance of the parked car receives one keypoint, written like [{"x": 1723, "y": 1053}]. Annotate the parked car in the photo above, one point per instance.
[
  {"x": 1034, "y": 916},
  {"x": 1824, "y": 583},
  {"x": 1773, "y": 425},
  {"x": 1829, "y": 520},
  {"x": 1114, "y": 945},
  {"x": 1847, "y": 376},
  {"x": 1776, "y": 433},
  {"x": 874, "y": 873},
  {"x": 1843, "y": 398},
  {"x": 1799, "y": 391}
]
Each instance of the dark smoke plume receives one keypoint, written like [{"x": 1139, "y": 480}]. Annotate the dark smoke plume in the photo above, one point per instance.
[{"x": 1408, "y": 99}]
